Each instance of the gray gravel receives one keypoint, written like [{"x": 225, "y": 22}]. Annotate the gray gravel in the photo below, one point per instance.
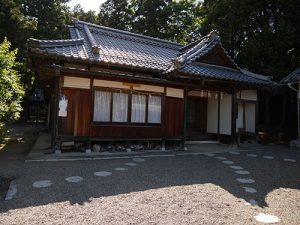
[{"x": 168, "y": 190}]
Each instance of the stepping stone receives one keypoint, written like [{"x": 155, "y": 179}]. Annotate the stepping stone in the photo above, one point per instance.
[
  {"x": 250, "y": 190},
  {"x": 130, "y": 164},
  {"x": 243, "y": 172},
  {"x": 251, "y": 155},
  {"x": 228, "y": 162},
  {"x": 120, "y": 169},
  {"x": 268, "y": 157},
  {"x": 138, "y": 159},
  {"x": 74, "y": 179},
  {"x": 251, "y": 202},
  {"x": 42, "y": 184},
  {"x": 290, "y": 160},
  {"x": 234, "y": 153},
  {"x": 209, "y": 154},
  {"x": 12, "y": 190},
  {"x": 102, "y": 174},
  {"x": 236, "y": 167},
  {"x": 221, "y": 158},
  {"x": 245, "y": 180},
  {"x": 266, "y": 218}
]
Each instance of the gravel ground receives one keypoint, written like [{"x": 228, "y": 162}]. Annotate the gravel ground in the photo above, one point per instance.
[{"x": 168, "y": 190}]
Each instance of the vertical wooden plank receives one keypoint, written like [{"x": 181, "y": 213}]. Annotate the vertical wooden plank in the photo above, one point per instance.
[
  {"x": 184, "y": 118},
  {"x": 234, "y": 116}
]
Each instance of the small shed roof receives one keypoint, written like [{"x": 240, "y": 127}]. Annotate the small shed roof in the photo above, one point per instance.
[{"x": 292, "y": 77}]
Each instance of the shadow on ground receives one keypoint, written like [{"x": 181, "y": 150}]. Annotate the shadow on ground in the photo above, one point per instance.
[{"x": 155, "y": 173}]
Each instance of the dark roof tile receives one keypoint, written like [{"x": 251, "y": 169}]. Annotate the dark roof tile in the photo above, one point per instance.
[{"x": 292, "y": 77}]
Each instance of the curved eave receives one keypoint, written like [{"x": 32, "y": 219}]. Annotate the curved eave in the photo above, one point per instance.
[
  {"x": 44, "y": 53},
  {"x": 259, "y": 83}
]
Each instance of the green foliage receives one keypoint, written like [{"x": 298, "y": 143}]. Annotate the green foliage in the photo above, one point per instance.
[
  {"x": 89, "y": 16},
  {"x": 260, "y": 35},
  {"x": 116, "y": 14},
  {"x": 11, "y": 90},
  {"x": 15, "y": 25},
  {"x": 51, "y": 17}
]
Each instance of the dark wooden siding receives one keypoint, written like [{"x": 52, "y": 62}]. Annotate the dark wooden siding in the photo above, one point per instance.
[
  {"x": 79, "y": 120},
  {"x": 173, "y": 117},
  {"x": 66, "y": 124},
  {"x": 83, "y": 112}
]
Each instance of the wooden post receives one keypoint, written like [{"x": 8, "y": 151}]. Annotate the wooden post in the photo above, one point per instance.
[
  {"x": 184, "y": 119},
  {"x": 219, "y": 106},
  {"x": 54, "y": 143},
  {"x": 234, "y": 117}
]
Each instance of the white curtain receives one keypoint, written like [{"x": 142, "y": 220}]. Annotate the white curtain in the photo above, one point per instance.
[
  {"x": 154, "y": 109},
  {"x": 138, "y": 110},
  {"x": 102, "y": 106},
  {"x": 120, "y": 107}
]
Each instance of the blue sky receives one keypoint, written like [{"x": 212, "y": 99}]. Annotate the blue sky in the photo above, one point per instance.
[{"x": 87, "y": 4}]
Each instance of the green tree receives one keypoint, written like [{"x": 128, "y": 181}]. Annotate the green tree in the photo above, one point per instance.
[
  {"x": 15, "y": 25},
  {"x": 11, "y": 90},
  {"x": 89, "y": 16},
  {"x": 183, "y": 17},
  {"x": 51, "y": 17},
  {"x": 150, "y": 17},
  {"x": 116, "y": 14},
  {"x": 260, "y": 35}
]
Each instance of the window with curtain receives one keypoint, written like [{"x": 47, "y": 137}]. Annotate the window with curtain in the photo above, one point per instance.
[
  {"x": 120, "y": 107},
  {"x": 138, "y": 108},
  {"x": 102, "y": 101},
  {"x": 154, "y": 109}
]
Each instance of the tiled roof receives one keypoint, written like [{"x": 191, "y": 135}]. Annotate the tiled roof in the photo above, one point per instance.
[
  {"x": 292, "y": 77},
  {"x": 221, "y": 73},
  {"x": 99, "y": 44}
]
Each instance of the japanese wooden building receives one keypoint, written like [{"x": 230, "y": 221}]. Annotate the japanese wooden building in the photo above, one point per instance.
[{"x": 108, "y": 84}]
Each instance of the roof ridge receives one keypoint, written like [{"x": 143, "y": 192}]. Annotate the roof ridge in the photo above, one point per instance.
[{"x": 128, "y": 33}]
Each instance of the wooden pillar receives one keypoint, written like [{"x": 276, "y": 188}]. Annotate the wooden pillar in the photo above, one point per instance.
[
  {"x": 298, "y": 109},
  {"x": 184, "y": 119},
  {"x": 234, "y": 117},
  {"x": 219, "y": 107},
  {"x": 54, "y": 144}
]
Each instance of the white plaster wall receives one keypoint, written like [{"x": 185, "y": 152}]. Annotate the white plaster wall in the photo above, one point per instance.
[
  {"x": 212, "y": 115},
  {"x": 149, "y": 88},
  {"x": 250, "y": 117},
  {"x": 225, "y": 114},
  {"x": 198, "y": 94},
  {"x": 174, "y": 92},
  {"x": 110, "y": 84},
  {"x": 76, "y": 82},
  {"x": 249, "y": 95},
  {"x": 121, "y": 85}
]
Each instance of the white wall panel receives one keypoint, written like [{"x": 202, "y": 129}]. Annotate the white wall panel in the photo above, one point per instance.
[
  {"x": 225, "y": 114},
  {"x": 212, "y": 115},
  {"x": 249, "y": 95}
]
